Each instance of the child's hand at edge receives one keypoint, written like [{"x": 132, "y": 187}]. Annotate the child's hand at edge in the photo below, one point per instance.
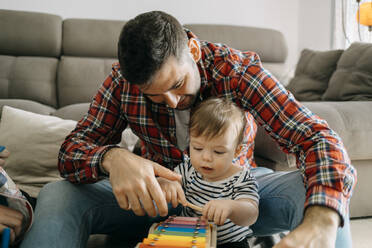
[
  {"x": 4, "y": 153},
  {"x": 173, "y": 191},
  {"x": 13, "y": 219}
]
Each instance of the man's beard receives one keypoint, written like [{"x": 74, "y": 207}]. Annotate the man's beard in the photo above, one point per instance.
[{"x": 187, "y": 102}]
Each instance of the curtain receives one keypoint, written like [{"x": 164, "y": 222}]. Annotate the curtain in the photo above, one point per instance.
[{"x": 346, "y": 28}]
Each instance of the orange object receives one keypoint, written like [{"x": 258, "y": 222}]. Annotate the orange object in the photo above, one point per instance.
[{"x": 365, "y": 12}]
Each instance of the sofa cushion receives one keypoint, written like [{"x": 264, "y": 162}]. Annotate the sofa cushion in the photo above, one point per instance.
[
  {"x": 313, "y": 71},
  {"x": 27, "y": 105},
  {"x": 6, "y": 65},
  {"x": 33, "y": 141},
  {"x": 33, "y": 78},
  {"x": 72, "y": 112},
  {"x": 352, "y": 80},
  {"x": 91, "y": 38},
  {"x": 30, "y": 34},
  {"x": 79, "y": 78}
]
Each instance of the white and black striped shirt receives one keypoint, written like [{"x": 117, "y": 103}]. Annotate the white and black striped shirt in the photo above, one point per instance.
[{"x": 199, "y": 192}]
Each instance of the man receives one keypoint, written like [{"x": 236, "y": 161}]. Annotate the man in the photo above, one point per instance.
[{"x": 163, "y": 72}]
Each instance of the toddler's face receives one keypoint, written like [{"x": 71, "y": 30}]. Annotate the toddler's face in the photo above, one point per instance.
[{"x": 213, "y": 157}]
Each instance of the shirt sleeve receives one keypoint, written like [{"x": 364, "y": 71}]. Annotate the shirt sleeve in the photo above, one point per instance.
[
  {"x": 329, "y": 176},
  {"x": 80, "y": 155},
  {"x": 246, "y": 187}
]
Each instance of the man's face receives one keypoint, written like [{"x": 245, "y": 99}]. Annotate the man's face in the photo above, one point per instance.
[{"x": 176, "y": 83}]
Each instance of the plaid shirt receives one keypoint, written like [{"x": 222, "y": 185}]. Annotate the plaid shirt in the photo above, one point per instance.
[{"x": 225, "y": 72}]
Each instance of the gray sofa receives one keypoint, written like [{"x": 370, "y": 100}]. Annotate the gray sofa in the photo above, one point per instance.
[{"x": 52, "y": 66}]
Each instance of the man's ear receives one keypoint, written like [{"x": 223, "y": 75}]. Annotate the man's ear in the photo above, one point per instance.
[{"x": 194, "y": 47}]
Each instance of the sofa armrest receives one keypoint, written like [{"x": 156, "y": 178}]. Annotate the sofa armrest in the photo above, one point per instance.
[{"x": 351, "y": 120}]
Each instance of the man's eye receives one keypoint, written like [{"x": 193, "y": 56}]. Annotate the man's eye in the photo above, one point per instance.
[
  {"x": 218, "y": 152},
  {"x": 179, "y": 84}
]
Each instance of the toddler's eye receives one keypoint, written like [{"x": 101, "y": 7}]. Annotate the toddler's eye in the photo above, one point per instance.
[
  {"x": 218, "y": 152},
  {"x": 197, "y": 148}
]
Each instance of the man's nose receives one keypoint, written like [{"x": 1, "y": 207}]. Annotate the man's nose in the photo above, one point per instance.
[{"x": 171, "y": 99}]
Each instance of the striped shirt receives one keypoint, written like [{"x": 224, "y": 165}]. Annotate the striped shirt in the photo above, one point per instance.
[
  {"x": 241, "y": 185},
  {"x": 224, "y": 72}
]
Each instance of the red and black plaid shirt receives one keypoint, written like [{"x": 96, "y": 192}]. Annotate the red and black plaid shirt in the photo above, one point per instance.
[{"x": 225, "y": 72}]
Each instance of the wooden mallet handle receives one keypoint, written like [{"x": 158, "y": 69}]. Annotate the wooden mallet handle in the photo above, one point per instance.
[{"x": 196, "y": 208}]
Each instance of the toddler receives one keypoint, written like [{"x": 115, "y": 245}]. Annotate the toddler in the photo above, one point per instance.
[{"x": 211, "y": 178}]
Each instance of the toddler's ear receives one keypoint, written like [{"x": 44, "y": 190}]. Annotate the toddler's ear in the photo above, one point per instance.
[
  {"x": 4, "y": 153},
  {"x": 238, "y": 150}
]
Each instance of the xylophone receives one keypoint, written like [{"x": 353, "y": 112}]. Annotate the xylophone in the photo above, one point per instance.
[{"x": 181, "y": 232}]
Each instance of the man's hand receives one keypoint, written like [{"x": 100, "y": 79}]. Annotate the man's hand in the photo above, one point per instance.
[
  {"x": 318, "y": 229},
  {"x": 134, "y": 184},
  {"x": 173, "y": 191},
  {"x": 10, "y": 218}
]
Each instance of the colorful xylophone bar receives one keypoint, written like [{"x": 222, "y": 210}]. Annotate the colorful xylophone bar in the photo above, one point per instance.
[{"x": 181, "y": 232}]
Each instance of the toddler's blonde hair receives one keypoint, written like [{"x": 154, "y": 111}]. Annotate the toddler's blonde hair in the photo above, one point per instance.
[{"x": 212, "y": 117}]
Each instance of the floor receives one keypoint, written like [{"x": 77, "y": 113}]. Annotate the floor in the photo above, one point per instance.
[{"x": 361, "y": 231}]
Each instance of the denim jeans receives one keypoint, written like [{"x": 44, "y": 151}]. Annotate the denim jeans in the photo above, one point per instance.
[{"x": 67, "y": 214}]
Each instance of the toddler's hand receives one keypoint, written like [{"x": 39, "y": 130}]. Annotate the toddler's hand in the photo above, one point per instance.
[
  {"x": 217, "y": 211},
  {"x": 173, "y": 191}
]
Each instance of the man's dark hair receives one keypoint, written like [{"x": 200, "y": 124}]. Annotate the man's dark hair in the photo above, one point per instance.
[{"x": 146, "y": 42}]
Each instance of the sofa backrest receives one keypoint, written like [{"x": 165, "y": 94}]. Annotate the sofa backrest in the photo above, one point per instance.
[
  {"x": 59, "y": 62},
  {"x": 269, "y": 44},
  {"x": 88, "y": 50},
  {"x": 30, "y": 45}
]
